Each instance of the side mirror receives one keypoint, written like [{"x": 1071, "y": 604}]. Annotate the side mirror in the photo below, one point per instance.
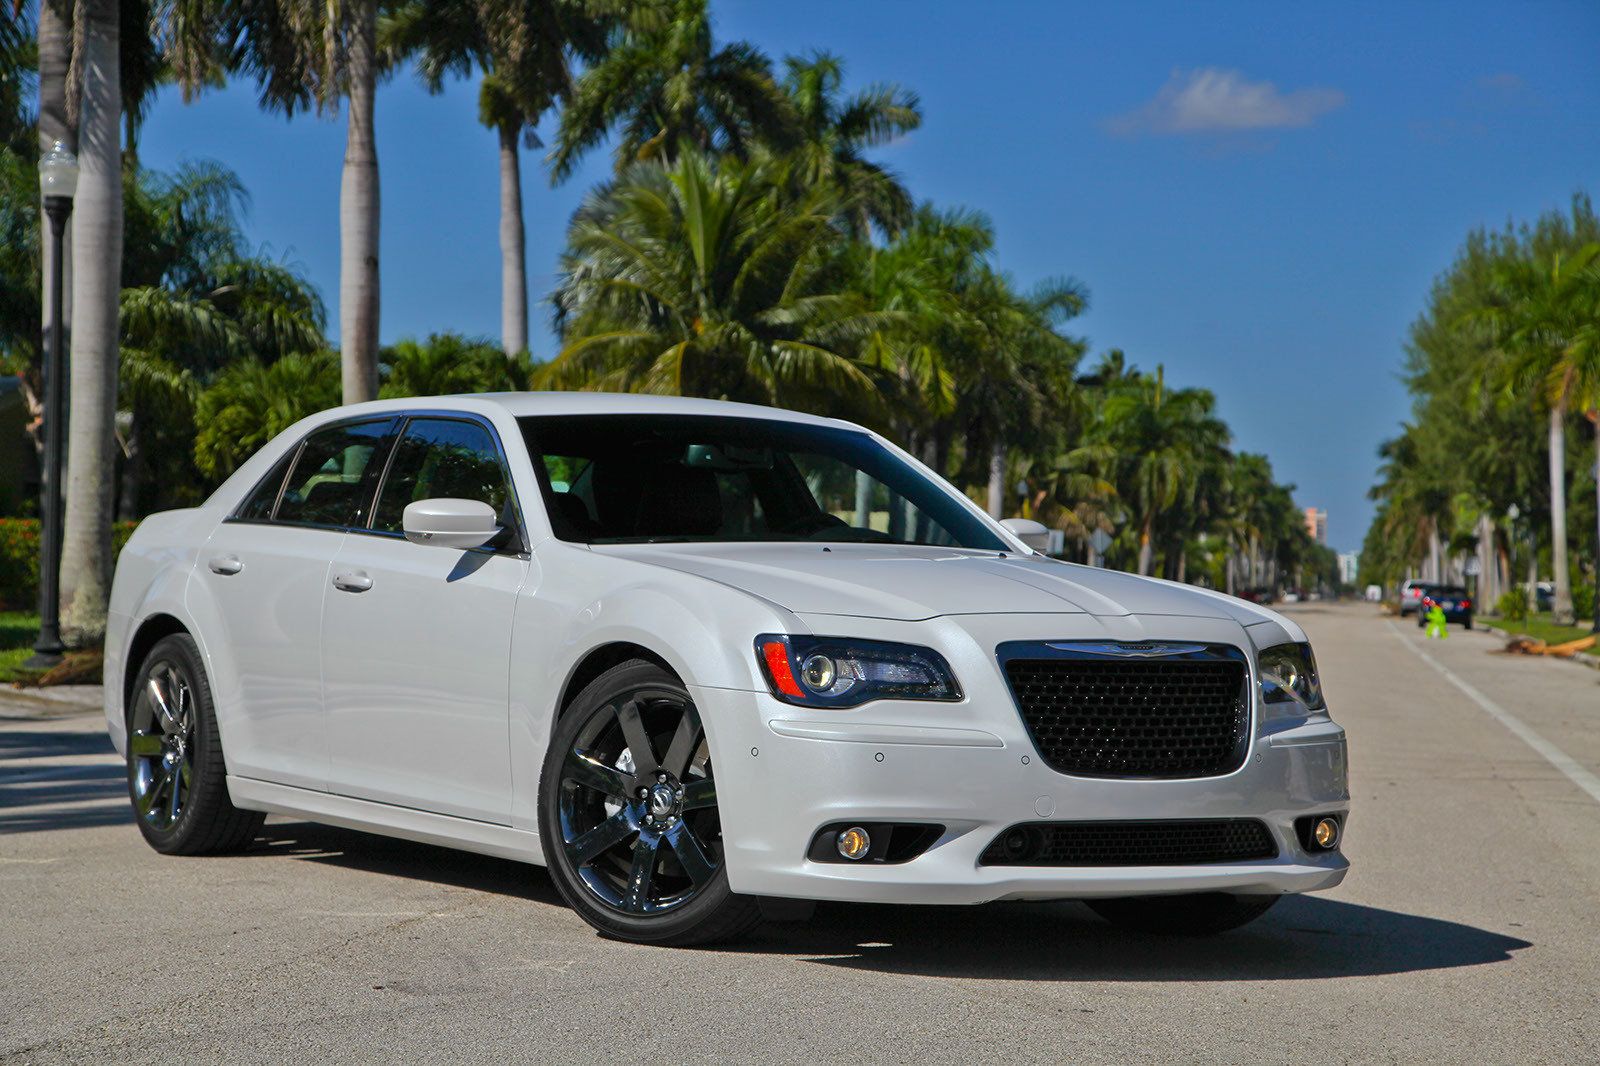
[
  {"x": 1035, "y": 535},
  {"x": 450, "y": 523}
]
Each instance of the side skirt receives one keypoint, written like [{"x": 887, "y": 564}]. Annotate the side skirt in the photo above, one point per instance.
[{"x": 385, "y": 819}]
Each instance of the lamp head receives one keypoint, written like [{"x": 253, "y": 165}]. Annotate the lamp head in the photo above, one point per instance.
[{"x": 58, "y": 171}]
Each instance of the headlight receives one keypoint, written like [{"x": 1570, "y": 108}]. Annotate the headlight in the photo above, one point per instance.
[
  {"x": 1289, "y": 675},
  {"x": 839, "y": 672}
]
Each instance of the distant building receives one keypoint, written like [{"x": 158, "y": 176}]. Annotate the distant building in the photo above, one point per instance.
[
  {"x": 1349, "y": 563},
  {"x": 1317, "y": 524}
]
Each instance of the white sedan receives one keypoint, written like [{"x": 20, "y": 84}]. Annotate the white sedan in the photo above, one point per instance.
[{"x": 706, "y": 662}]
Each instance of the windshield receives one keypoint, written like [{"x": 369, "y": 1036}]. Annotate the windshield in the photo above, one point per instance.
[{"x": 613, "y": 479}]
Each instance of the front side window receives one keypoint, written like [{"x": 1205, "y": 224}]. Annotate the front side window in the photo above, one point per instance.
[
  {"x": 325, "y": 486},
  {"x": 626, "y": 478},
  {"x": 441, "y": 457}
]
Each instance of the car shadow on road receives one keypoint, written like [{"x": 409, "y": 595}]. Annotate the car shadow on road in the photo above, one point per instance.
[
  {"x": 1303, "y": 937},
  {"x": 350, "y": 848}
]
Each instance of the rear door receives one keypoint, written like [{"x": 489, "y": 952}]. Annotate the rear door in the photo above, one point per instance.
[
  {"x": 266, "y": 567},
  {"x": 417, "y": 637}
]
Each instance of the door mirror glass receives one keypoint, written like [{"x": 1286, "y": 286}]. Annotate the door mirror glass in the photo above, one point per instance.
[
  {"x": 1035, "y": 535},
  {"x": 451, "y": 523}
]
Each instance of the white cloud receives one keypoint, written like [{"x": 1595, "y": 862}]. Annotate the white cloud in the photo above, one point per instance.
[{"x": 1211, "y": 100}]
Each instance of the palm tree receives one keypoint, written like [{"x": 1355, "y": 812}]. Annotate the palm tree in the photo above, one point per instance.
[
  {"x": 193, "y": 300},
  {"x": 703, "y": 280},
  {"x": 250, "y": 402},
  {"x": 96, "y": 278},
  {"x": 449, "y": 363},
  {"x": 1162, "y": 437},
  {"x": 835, "y": 131},
  {"x": 1541, "y": 315},
  {"x": 663, "y": 83},
  {"x": 524, "y": 51},
  {"x": 305, "y": 54}
]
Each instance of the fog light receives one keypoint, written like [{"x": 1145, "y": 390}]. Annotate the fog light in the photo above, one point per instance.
[
  {"x": 1326, "y": 833},
  {"x": 854, "y": 843}
]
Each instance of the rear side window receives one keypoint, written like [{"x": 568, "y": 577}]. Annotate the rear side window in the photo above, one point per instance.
[
  {"x": 325, "y": 486},
  {"x": 441, "y": 457},
  {"x": 258, "y": 508}
]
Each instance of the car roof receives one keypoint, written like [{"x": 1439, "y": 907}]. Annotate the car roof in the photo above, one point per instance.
[{"x": 529, "y": 404}]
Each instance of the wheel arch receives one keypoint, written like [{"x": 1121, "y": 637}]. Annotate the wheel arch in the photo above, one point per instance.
[
  {"x": 150, "y": 631},
  {"x": 601, "y": 658}
]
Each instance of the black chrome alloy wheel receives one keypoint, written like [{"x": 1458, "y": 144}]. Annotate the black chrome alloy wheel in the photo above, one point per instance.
[
  {"x": 628, "y": 813},
  {"x": 177, "y": 778},
  {"x": 161, "y": 743}
]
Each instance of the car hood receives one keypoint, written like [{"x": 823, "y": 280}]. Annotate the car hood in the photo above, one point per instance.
[{"x": 909, "y": 582}]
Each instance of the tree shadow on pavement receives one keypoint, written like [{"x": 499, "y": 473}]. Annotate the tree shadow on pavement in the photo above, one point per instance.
[
  {"x": 1303, "y": 937},
  {"x": 50, "y": 796}
]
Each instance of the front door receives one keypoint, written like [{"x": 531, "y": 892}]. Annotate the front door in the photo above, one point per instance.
[
  {"x": 266, "y": 568},
  {"x": 416, "y": 638}
]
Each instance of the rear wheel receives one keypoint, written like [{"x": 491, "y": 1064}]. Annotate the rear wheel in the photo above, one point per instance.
[
  {"x": 628, "y": 814},
  {"x": 177, "y": 778},
  {"x": 1467, "y": 621},
  {"x": 1204, "y": 914}
]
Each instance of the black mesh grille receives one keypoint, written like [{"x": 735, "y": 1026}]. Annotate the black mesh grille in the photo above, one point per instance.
[
  {"x": 1134, "y": 717},
  {"x": 1178, "y": 843}
]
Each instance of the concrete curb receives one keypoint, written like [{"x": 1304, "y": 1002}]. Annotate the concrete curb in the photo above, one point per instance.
[{"x": 54, "y": 701}]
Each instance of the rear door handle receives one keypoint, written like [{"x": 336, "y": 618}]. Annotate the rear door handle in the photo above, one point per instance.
[
  {"x": 225, "y": 565},
  {"x": 352, "y": 581}
]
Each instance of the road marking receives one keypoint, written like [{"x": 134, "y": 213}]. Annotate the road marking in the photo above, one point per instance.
[{"x": 1575, "y": 771}]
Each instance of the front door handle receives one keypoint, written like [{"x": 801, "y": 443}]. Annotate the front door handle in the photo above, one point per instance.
[
  {"x": 352, "y": 581},
  {"x": 225, "y": 565}
]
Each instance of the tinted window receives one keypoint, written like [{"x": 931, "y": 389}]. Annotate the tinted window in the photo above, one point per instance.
[
  {"x": 258, "y": 508},
  {"x": 324, "y": 487},
  {"x": 439, "y": 457},
  {"x": 617, "y": 478}
]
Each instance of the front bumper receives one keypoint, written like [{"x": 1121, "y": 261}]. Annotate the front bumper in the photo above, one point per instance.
[{"x": 784, "y": 772}]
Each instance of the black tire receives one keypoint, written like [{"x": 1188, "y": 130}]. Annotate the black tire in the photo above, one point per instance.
[
  {"x": 1421, "y": 621},
  {"x": 627, "y": 879},
  {"x": 177, "y": 775},
  {"x": 1205, "y": 914},
  {"x": 1467, "y": 621}
]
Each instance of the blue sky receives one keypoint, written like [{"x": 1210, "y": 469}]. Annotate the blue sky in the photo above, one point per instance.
[{"x": 1257, "y": 196}]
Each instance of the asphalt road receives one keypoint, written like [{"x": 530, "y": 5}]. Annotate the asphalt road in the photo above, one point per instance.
[{"x": 1467, "y": 929}]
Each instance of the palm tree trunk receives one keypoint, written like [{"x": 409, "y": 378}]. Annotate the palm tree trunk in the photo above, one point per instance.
[
  {"x": 997, "y": 479},
  {"x": 1561, "y": 607},
  {"x": 358, "y": 215},
  {"x": 1146, "y": 549},
  {"x": 97, "y": 248},
  {"x": 513, "y": 249}
]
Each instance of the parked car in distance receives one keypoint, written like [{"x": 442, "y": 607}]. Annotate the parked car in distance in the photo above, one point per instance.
[
  {"x": 1411, "y": 596},
  {"x": 1451, "y": 599},
  {"x": 706, "y": 662}
]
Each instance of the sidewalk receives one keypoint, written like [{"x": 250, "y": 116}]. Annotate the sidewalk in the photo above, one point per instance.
[{"x": 55, "y": 701}]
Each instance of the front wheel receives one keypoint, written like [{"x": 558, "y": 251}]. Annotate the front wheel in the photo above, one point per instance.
[
  {"x": 1205, "y": 914},
  {"x": 628, "y": 814}
]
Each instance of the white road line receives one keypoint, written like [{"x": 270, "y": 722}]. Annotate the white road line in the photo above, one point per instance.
[{"x": 1575, "y": 771}]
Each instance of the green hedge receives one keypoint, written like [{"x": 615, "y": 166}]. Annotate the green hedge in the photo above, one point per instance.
[{"x": 19, "y": 560}]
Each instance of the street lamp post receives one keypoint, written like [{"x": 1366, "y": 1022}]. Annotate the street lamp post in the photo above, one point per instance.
[{"x": 58, "y": 180}]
